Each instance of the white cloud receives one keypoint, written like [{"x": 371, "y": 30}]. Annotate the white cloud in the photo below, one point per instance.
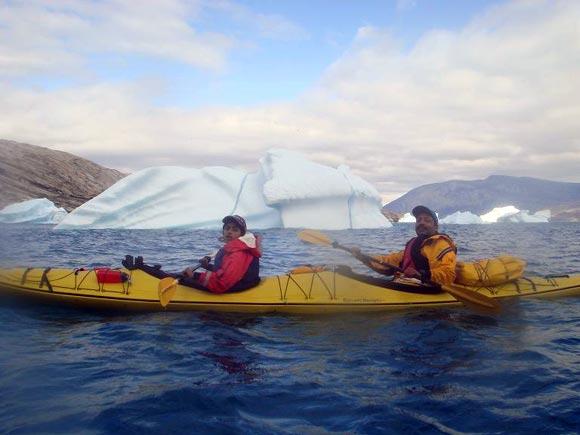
[
  {"x": 501, "y": 95},
  {"x": 47, "y": 36},
  {"x": 268, "y": 25},
  {"x": 40, "y": 36},
  {"x": 406, "y": 4}
]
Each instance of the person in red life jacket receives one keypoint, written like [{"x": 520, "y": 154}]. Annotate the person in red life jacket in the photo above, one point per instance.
[
  {"x": 430, "y": 257},
  {"x": 236, "y": 265}
]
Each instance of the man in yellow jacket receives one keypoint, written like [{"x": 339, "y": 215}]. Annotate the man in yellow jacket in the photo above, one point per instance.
[{"x": 430, "y": 257}]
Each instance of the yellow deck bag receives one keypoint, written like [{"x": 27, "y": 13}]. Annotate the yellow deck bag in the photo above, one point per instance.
[{"x": 489, "y": 271}]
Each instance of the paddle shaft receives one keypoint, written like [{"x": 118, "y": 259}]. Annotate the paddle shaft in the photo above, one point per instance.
[
  {"x": 366, "y": 259},
  {"x": 176, "y": 280},
  {"x": 195, "y": 268}
]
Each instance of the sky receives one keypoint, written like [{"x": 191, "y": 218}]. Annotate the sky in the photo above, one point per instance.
[{"x": 405, "y": 92}]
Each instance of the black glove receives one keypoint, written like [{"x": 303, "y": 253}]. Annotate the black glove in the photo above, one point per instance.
[
  {"x": 205, "y": 262},
  {"x": 425, "y": 276}
]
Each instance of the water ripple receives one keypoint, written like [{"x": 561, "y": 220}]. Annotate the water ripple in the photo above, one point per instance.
[{"x": 433, "y": 371}]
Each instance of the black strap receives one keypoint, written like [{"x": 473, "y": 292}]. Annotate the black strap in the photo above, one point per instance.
[
  {"x": 23, "y": 280},
  {"x": 421, "y": 263},
  {"x": 444, "y": 252},
  {"x": 531, "y": 282},
  {"x": 44, "y": 279}
]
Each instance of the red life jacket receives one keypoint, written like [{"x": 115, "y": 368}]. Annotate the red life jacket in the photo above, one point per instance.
[{"x": 413, "y": 257}]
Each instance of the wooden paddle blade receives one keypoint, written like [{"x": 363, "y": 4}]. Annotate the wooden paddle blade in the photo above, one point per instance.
[
  {"x": 314, "y": 237},
  {"x": 167, "y": 288},
  {"x": 473, "y": 299}
]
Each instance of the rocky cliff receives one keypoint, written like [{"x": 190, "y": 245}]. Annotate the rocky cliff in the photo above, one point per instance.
[
  {"x": 481, "y": 196},
  {"x": 28, "y": 171}
]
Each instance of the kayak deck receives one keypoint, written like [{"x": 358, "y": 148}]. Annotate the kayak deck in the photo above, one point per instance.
[{"x": 318, "y": 292}]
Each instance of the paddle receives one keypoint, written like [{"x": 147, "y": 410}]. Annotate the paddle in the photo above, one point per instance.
[
  {"x": 473, "y": 299},
  {"x": 318, "y": 238},
  {"x": 470, "y": 298},
  {"x": 167, "y": 288}
]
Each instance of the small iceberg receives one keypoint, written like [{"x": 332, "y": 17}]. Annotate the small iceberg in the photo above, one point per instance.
[
  {"x": 462, "y": 218},
  {"x": 407, "y": 218},
  {"x": 32, "y": 211},
  {"x": 498, "y": 213},
  {"x": 524, "y": 216}
]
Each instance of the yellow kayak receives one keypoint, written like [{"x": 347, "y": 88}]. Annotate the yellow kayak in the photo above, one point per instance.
[{"x": 329, "y": 291}]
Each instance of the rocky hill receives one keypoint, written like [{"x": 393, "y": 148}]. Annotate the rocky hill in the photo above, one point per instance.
[
  {"x": 481, "y": 196},
  {"x": 28, "y": 171}
]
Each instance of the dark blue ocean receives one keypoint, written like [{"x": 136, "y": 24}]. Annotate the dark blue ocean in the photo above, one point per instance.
[{"x": 425, "y": 371}]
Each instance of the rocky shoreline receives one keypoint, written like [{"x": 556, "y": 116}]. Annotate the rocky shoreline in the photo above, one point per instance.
[{"x": 29, "y": 171}]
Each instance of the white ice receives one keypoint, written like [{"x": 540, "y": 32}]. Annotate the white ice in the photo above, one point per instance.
[
  {"x": 524, "y": 216},
  {"x": 288, "y": 191},
  {"x": 312, "y": 195},
  {"x": 498, "y": 213},
  {"x": 175, "y": 197},
  {"x": 33, "y": 211},
  {"x": 407, "y": 219},
  {"x": 462, "y": 218}
]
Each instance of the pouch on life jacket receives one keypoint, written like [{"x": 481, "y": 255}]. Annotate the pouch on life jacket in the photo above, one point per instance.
[
  {"x": 110, "y": 276},
  {"x": 490, "y": 271}
]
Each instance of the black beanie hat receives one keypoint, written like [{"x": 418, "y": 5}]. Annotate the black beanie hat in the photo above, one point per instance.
[{"x": 236, "y": 220}]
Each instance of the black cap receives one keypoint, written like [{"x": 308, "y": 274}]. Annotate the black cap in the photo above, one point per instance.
[
  {"x": 237, "y": 220},
  {"x": 421, "y": 209}
]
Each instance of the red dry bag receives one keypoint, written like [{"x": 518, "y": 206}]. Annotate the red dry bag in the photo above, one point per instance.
[{"x": 110, "y": 276}]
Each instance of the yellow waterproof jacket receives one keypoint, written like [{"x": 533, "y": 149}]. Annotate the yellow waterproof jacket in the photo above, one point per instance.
[{"x": 440, "y": 254}]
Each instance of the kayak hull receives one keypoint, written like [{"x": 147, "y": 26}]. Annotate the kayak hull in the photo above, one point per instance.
[{"x": 304, "y": 293}]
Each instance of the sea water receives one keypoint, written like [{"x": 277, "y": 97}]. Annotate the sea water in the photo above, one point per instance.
[{"x": 446, "y": 370}]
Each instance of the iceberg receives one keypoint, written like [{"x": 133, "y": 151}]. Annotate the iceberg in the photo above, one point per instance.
[
  {"x": 498, "y": 213},
  {"x": 407, "y": 218},
  {"x": 462, "y": 218},
  {"x": 33, "y": 211},
  {"x": 318, "y": 196},
  {"x": 524, "y": 216},
  {"x": 288, "y": 191},
  {"x": 175, "y": 197}
]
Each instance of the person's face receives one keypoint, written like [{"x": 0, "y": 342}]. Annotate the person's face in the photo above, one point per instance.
[
  {"x": 425, "y": 225},
  {"x": 231, "y": 232}
]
